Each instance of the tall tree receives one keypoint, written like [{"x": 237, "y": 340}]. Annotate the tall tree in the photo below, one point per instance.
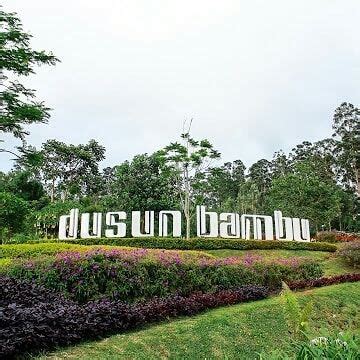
[
  {"x": 260, "y": 175},
  {"x": 305, "y": 192},
  {"x": 18, "y": 106},
  {"x": 143, "y": 183},
  {"x": 70, "y": 169},
  {"x": 188, "y": 159},
  {"x": 346, "y": 125}
]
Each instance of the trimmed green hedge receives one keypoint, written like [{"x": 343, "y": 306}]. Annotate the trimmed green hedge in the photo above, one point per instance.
[
  {"x": 32, "y": 250},
  {"x": 208, "y": 244}
]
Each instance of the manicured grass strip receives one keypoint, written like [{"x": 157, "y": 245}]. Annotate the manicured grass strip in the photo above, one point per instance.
[
  {"x": 236, "y": 332},
  {"x": 208, "y": 244}
]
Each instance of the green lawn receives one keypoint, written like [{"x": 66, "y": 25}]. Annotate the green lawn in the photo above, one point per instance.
[
  {"x": 332, "y": 264},
  {"x": 235, "y": 332}
]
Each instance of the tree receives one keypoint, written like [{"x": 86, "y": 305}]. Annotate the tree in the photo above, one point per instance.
[
  {"x": 318, "y": 155},
  {"x": 22, "y": 184},
  {"x": 145, "y": 183},
  {"x": 189, "y": 159},
  {"x": 13, "y": 212},
  {"x": 70, "y": 169},
  {"x": 346, "y": 125},
  {"x": 18, "y": 106},
  {"x": 305, "y": 192},
  {"x": 260, "y": 176},
  {"x": 220, "y": 184}
]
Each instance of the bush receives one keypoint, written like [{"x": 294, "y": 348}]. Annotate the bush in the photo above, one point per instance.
[
  {"x": 326, "y": 236},
  {"x": 324, "y": 281},
  {"x": 32, "y": 250},
  {"x": 133, "y": 275},
  {"x": 34, "y": 318},
  {"x": 336, "y": 236},
  {"x": 351, "y": 253},
  {"x": 50, "y": 248},
  {"x": 208, "y": 244}
]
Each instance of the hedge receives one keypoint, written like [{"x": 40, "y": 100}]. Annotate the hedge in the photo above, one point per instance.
[
  {"x": 208, "y": 244},
  {"x": 324, "y": 281},
  {"x": 132, "y": 275},
  {"x": 32, "y": 250},
  {"x": 12, "y": 251},
  {"x": 34, "y": 319}
]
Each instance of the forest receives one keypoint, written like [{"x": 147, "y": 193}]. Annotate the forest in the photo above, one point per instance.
[{"x": 319, "y": 181}]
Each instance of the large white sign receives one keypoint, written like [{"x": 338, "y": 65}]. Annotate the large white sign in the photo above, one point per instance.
[{"x": 208, "y": 224}]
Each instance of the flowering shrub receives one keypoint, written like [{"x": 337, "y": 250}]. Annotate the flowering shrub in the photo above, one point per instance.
[
  {"x": 33, "y": 318},
  {"x": 324, "y": 281},
  {"x": 133, "y": 275},
  {"x": 351, "y": 253}
]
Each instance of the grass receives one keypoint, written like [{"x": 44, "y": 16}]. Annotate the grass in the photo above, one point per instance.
[
  {"x": 237, "y": 332},
  {"x": 332, "y": 264}
]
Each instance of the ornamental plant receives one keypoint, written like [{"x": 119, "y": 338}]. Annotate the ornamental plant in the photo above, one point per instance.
[
  {"x": 351, "y": 253},
  {"x": 33, "y": 318},
  {"x": 133, "y": 275}
]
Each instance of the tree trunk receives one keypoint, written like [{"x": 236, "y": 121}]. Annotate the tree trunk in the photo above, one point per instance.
[
  {"x": 52, "y": 190},
  {"x": 187, "y": 203}
]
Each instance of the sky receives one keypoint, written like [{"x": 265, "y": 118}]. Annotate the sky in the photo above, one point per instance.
[{"x": 255, "y": 76}]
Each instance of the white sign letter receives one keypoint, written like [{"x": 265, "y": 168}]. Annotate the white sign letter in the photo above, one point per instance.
[
  {"x": 111, "y": 221},
  {"x": 163, "y": 223},
  {"x": 73, "y": 220},
  {"x": 135, "y": 224},
  {"x": 201, "y": 215}
]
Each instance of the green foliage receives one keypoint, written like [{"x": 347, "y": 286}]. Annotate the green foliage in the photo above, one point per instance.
[
  {"x": 311, "y": 196},
  {"x": 22, "y": 184},
  {"x": 18, "y": 105},
  {"x": 296, "y": 317},
  {"x": 207, "y": 244},
  {"x": 71, "y": 170},
  {"x": 34, "y": 250},
  {"x": 143, "y": 183},
  {"x": 340, "y": 347},
  {"x": 47, "y": 218},
  {"x": 347, "y": 132},
  {"x": 13, "y": 212},
  {"x": 189, "y": 160}
]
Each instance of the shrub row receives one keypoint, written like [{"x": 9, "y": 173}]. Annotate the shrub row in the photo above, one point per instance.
[
  {"x": 208, "y": 244},
  {"x": 324, "y": 281},
  {"x": 12, "y": 251},
  {"x": 33, "y": 318},
  {"x": 132, "y": 275},
  {"x": 32, "y": 250}
]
